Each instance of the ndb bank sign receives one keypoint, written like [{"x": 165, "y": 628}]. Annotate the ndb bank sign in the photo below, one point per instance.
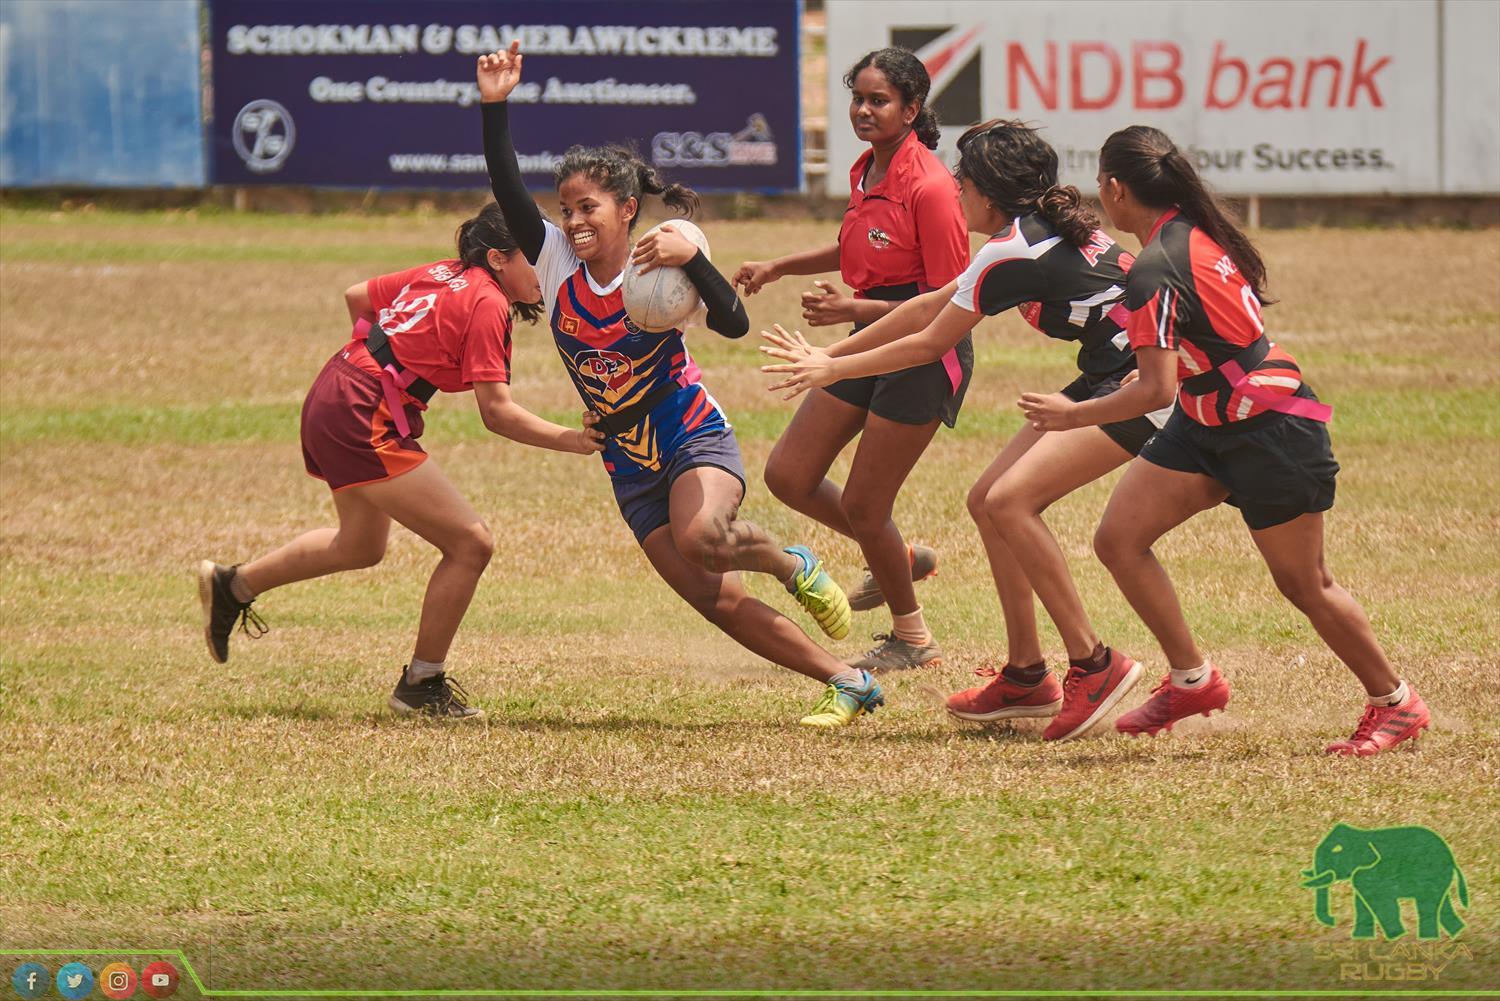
[
  {"x": 348, "y": 93},
  {"x": 1273, "y": 98}
]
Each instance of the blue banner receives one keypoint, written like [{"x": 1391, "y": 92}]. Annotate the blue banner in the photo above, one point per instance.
[
  {"x": 353, "y": 93},
  {"x": 100, "y": 95}
]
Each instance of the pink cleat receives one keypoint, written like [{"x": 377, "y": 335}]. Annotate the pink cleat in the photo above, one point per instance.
[
  {"x": 1168, "y": 704},
  {"x": 1382, "y": 727}
]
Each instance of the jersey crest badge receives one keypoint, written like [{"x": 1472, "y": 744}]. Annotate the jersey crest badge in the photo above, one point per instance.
[
  {"x": 568, "y": 324},
  {"x": 609, "y": 369},
  {"x": 879, "y": 239}
]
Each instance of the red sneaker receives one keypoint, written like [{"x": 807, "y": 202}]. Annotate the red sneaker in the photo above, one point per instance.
[
  {"x": 1385, "y": 726},
  {"x": 1087, "y": 697},
  {"x": 1168, "y": 704},
  {"x": 1002, "y": 698}
]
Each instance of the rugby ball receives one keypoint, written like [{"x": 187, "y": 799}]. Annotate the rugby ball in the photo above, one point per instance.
[{"x": 665, "y": 298}]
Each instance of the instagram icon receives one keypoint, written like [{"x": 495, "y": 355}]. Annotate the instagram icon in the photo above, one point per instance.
[{"x": 117, "y": 980}]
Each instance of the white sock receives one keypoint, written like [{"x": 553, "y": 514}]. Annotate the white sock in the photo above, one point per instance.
[
  {"x": 240, "y": 589},
  {"x": 1193, "y": 677},
  {"x": 1394, "y": 699},
  {"x": 422, "y": 670},
  {"x": 911, "y": 628},
  {"x": 851, "y": 678},
  {"x": 801, "y": 566}
]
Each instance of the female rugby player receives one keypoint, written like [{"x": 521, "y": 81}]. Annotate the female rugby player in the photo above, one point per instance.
[
  {"x": 1247, "y": 430},
  {"x": 903, "y": 234},
  {"x": 443, "y": 326},
  {"x": 1047, "y": 256},
  {"x": 670, "y": 453}
]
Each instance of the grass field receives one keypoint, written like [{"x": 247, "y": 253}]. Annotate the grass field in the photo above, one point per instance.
[{"x": 639, "y": 810}]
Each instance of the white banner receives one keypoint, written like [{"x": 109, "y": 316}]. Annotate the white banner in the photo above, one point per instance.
[{"x": 1268, "y": 98}]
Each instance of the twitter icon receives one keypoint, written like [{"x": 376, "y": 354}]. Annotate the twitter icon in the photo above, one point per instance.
[{"x": 75, "y": 981}]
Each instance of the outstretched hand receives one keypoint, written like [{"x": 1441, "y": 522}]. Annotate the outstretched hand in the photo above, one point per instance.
[
  {"x": 1048, "y": 411},
  {"x": 805, "y": 365},
  {"x": 754, "y": 275},
  {"x": 664, "y": 248},
  {"x": 498, "y": 73}
]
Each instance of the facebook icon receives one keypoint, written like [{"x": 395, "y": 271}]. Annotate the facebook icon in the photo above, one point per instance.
[{"x": 30, "y": 980}]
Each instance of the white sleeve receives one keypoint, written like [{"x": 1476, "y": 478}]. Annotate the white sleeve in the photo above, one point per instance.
[
  {"x": 966, "y": 296},
  {"x": 553, "y": 265}
]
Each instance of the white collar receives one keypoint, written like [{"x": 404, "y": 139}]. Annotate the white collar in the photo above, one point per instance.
[{"x": 595, "y": 287}]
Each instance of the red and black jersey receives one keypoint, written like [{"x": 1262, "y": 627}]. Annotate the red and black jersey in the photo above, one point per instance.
[
  {"x": 1067, "y": 292},
  {"x": 1186, "y": 295}
]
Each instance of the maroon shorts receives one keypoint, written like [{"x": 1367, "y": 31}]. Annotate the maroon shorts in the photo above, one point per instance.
[{"x": 348, "y": 437}]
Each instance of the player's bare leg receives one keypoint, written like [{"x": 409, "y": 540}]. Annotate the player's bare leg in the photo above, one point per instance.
[
  {"x": 708, "y": 532},
  {"x": 721, "y": 599}
]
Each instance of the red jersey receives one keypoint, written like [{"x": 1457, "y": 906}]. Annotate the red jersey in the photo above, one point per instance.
[
  {"x": 447, "y": 323},
  {"x": 1186, "y": 295},
  {"x": 906, "y": 230}
]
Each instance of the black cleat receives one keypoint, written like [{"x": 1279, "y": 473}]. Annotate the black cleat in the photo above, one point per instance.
[
  {"x": 220, "y": 610},
  {"x": 440, "y": 697}
]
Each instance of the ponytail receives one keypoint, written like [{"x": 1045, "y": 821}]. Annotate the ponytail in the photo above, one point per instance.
[
  {"x": 926, "y": 128},
  {"x": 487, "y": 231},
  {"x": 620, "y": 170},
  {"x": 678, "y": 197},
  {"x": 1013, "y": 167},
  {"x": 907, "y": 74},
  {"x": 1147, "y": 162}
]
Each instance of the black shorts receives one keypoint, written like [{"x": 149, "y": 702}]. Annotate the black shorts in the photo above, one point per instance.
[
  {"x": 1130, "y": 435},
  {"x": 1277, "y": 468},
  {"x": 645, "y": 498},
  {"x": 918, "y": 395}
]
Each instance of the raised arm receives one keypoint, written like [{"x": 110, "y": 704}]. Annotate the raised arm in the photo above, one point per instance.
[{"x": 497, "y": 75}]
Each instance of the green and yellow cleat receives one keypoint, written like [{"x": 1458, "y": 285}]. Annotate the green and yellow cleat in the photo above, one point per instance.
[
  {"x": 820, "y": 594},
  {"x": 840, "y": 705}
]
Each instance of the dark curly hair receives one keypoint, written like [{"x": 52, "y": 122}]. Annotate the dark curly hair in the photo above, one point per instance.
[
  {"x": 487, "y": 231},
  {"x": 1016, "y": 169},
  {"x": 620, "y": 170},
  {"x": 907, "y": 74}
]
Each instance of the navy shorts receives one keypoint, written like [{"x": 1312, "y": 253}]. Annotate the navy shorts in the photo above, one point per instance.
[
  {"x": 917, "y": 395},
  {"x": 1276, "y": 468},
  {"x": 645, "y": 498},
  {"x": 1130, "y": 435}
]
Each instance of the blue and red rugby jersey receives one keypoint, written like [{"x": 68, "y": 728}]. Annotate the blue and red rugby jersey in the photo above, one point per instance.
[{"x": 614, "y": 363}]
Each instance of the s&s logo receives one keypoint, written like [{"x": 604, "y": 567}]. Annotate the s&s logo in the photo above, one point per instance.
[
  {"x": 753, "y": 145},
  {"x": 263, "y": 135}
]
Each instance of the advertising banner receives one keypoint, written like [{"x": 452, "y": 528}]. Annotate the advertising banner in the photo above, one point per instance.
[
  {"x": 1267, "y": 98},
  {"x": 350, "y": 93},
  {"x": 100, "y": 95}
]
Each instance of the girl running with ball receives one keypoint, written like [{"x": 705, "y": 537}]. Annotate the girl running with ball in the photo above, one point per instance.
[
  {"x": 670, "y": 453},
  {"x": 1047, "y": 256},
  {"x": 902, "y": 235},
  {"x": 1247, "y": 431},
  {"x": 442, "y": 326}
]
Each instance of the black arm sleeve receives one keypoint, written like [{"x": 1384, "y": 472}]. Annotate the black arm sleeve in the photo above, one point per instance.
[
  {"x": 521, "y": 214},
  {"x": 726, "y": 314}
]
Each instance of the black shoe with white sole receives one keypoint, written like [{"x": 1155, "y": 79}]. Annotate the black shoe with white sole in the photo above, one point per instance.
[
  {"x": 221, "y": 610},
  {"x": 439, "y": 696}
]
